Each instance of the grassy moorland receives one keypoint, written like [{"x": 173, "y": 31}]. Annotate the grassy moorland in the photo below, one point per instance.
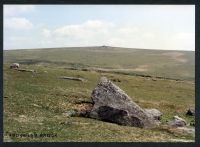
[
  {"x": 174, "y": 64},
  {"x": 37, "y": 102}
]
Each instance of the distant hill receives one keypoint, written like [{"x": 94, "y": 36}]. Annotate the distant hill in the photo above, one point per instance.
[{"x": 164, "y": 63}]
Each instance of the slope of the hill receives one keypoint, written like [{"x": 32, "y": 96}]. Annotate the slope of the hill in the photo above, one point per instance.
[{"x": 164, "y": 63}]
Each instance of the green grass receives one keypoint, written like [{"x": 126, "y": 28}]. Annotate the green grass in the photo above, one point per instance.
[
  {"x": 157, "y": 62},
  {"x": 42, "y": 98},
  {"x": 35, "y": 102}
]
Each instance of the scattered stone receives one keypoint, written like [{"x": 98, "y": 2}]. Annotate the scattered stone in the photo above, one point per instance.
[
  {"x": 26, "y": 70},
  {"x": 14, "y": 66},
  {"x": 73, "y": 78},
  {"x": 70, "y": 113},
  {"x": 114, "y": 105},
  {"x": 77, "y": 113},
  {"x": 177, "y": 122},
  {"x": 155, "y": 113},
  {"x": 191, "y": 111},
  {"x": 183, "y": 131},
  {"x": 187, "y": 131},
  {"x": 35, "y": 105}
]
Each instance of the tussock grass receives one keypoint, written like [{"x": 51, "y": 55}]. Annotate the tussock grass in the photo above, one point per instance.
[{"x": 37, "y": 102}]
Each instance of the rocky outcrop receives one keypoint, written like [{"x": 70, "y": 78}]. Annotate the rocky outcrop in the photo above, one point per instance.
[{"x": 112, "y": 104}]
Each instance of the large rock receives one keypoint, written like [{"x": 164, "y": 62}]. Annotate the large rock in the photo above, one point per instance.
[{"x": 114, "y": 105}]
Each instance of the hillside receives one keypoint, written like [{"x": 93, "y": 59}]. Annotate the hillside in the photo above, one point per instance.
[
  {"x": 170, "y": 64},
  {"x": 37, "y": 102}
]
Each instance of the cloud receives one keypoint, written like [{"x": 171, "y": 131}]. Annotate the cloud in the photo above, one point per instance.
[
  {"x": 14, "y": 10},
  {"x": 87, "y": 29},
  {"x": 17, "y": 23},
  {"x": 186, "y": 39},
  {"x": 16, "y": 42},
  {"x": 98, "y": 32},
  {"x": 46, "y": 33},
  {"x": 17, "y": 39}
]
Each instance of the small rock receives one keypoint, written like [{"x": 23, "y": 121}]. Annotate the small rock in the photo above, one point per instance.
[
  {"x": 35, "y": 105},
  {"x": 155, "y": 113},
  {"x": 191, "y": 111},
  {"x": 26, "y": 70},
  {"x": 73, "y": 78},
  {"x": 187, "y": 131},
  {"x": 70, "y": 113},
  {"x": 177, "y": 122},
  {"x": 14, "y": 66}
]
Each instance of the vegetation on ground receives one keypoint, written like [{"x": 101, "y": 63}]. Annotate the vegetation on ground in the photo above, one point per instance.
[{"x": 37, "y": 102}]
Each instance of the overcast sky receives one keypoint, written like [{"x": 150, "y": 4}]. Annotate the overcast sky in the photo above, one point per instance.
[{"x": 134, "y": 26}]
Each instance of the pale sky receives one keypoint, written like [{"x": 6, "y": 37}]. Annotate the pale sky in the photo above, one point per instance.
[{"x": 134, "y": 26}]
